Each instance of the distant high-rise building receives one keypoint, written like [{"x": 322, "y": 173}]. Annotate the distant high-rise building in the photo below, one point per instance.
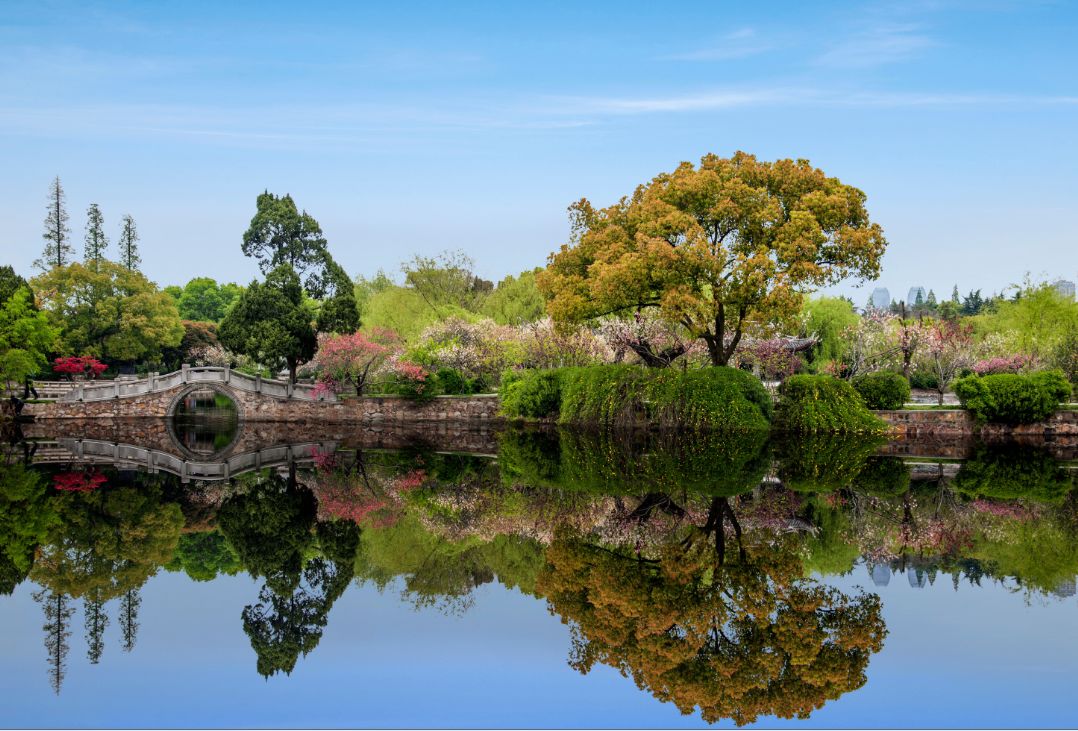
[
  {"x": 881, "y": 298},
  {"x": 1065, "y": 288},
  {"x": 911, "y": 298},
  {"x": 880, "y": 573}
]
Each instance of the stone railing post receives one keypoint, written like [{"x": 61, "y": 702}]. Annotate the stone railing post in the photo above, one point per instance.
[
  {"x": 79, "y": 391},
  {"x": 116, "y": 389},
  {"x": 153, "y": 381},
  {"x": 228, "y": 374},
  {"x": 258, "y": 383},
  {"x": 288, "y": 389},
  {"x": 184, "y": 372}
]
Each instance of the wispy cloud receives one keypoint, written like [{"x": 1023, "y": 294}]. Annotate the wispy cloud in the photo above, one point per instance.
[
  {"x": 878, "y": 45},
  {"x": 737, "y": 44}
]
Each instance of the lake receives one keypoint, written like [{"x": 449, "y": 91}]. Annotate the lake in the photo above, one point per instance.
[{"x": 203, "y": 572}]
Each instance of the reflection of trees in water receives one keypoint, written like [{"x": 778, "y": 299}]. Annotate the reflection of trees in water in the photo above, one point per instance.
[
  {"x": 736, "y": 633},
  {"x": 679, "y": 560},
  {"x": 271, "y": 526}
]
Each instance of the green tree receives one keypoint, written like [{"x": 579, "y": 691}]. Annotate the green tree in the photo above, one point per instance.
[
  {"x": 202, "y": 301},
  {"x": 403, "y": 310},
  {"x": 26, "y": 338},
  {"x": 58, "y": 249},
  {"x": 112, "y": 312},
  {"x": 826, "y": 319},
  {"x": 272, "y": 322},
  {"x": 715, "y": 248},
  {"x": 364, "y": 289},
  {"x": 516, "y": 300},
  {"x": 96, "y": 240},
  {"x": 10, "y": 283},
  {"x": 446, "y": 281},
  {"x": 339, "y": 312},
  {"x": 281, "y": 234},
  {"x": 128, "y": 243},
  {"x": 1035, "y": 322}
]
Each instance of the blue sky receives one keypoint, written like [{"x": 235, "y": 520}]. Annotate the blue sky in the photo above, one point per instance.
[{"x": 408, "y": 128}]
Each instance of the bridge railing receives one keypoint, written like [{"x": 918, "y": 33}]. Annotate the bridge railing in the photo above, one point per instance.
[{"x": 106, "y": 390}]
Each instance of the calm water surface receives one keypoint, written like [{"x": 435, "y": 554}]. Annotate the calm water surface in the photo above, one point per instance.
[{"x": 205, "y": 572}]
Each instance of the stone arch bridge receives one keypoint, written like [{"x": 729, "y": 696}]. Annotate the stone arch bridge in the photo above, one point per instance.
[{"x": 159, "y": 395}]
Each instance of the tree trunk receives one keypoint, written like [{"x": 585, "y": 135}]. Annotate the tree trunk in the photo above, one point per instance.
[{"x": 292, "y": 365}]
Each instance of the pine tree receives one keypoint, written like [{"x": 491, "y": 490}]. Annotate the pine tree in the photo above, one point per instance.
[
  {"x": 931, "y": 299},
  {"x": 129, "y": 605},
  {"x": 954, "y": 295},
  {"x": 128, "y": 244},
  {"x": 58, "y": 250},
  {"x": 96, "y": 241},
  {"x": 96, "y": 620},
  {"x": 58, "y": 611}
]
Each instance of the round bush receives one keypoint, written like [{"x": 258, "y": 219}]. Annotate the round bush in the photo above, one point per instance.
[
  {"x": 1010, "y": 398},
  {"x": 883, "y": 390},
  {"x": 823, "y": 404}
]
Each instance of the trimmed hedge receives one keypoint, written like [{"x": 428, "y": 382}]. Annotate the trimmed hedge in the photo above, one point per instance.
[
  {"x": 823, "y": 404},
  {"x": 714, "y": 398},
  {"x": 883, "y": 390},
  {"x": 1010, "y": 398}
]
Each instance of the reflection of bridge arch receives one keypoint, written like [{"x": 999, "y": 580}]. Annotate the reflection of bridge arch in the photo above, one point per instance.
[{"x": 156, "y": 460}]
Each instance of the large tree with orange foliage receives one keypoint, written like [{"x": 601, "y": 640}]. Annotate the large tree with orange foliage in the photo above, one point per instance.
[{"x": 715, "y": 248}]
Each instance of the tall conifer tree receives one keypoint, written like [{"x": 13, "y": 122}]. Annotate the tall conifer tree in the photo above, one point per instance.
[
  {"x": 58, "y": 250},
  {"x": 128, "y": 244},
  {"x": 96, "y": 240}
]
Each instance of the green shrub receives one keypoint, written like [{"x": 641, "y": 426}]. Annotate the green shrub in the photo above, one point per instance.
[
  {"x": 823, "y": 404},
  {"x": 922, "y": 380},
  {"x": 450, "y": 381},
  {"x": 531, "y": 394},
  {"x": 1010, "y": 398},
  {"x": 883, "y": 390},
  {"x": 712, "y": 398}
]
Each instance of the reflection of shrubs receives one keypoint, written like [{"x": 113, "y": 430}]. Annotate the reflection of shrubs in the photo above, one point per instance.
[
  {"x": 883, "y": 390},
  {"x": 632, "y": 462},
  {"x": 823, "y": 462},
  {"x": 883, "y": 476},
  {"x": 825, "y": 404},
  {"x": 1011, "y": 472},
  {"x": 1013, "y": 399}
]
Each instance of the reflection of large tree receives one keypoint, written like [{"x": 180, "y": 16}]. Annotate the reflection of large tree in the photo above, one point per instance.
[
  {"x": 270, "y": 527},
  {"x": 719, "y": 620}
]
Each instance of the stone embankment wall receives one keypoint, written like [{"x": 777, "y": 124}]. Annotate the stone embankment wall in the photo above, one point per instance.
[
  {"x": 951, "y": 422},
  {"x": 260, "y": 407}
]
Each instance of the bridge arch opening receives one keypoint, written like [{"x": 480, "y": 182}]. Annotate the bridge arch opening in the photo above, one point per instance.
[{"x": 205, "y": 420}]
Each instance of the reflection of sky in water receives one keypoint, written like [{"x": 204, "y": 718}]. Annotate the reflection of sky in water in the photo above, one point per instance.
[{"x": 981, "y": 656}]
